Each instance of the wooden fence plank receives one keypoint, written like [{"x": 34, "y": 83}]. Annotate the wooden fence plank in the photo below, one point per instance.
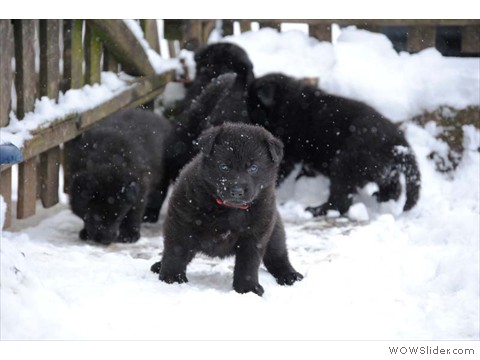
[
  {"x": 49, "y": 173},
  {"x": 172, "y": 50},
  {"x": 49, "y": 58},
  {"x": 119, "y": 40},
  {"x": 471, "y": 39},
  {"x": 93, "y": 55},
  {"x": 6, "y": 54},
  {"x": 245, "y": 25},
  {"x": 72, "y": 72},
  {"x": 270, "y": 24},
  {"x": 193, "y": 35},
  {"x": 6, "y": 193},
  {"x": 227, "y": 27},
  {"x": 25, "y": 84},
  {"x": 27, "y": 188},
  {"x": 174, "y": 29},
  {"x": 150, "y": 30},
  {"x": 207, "y": 27},
  {"x": 25, "y": 65},
  {"x": 72, "y": 54},
  {"x": 109, "y": 61},
  {"x": 320, "y": 32},
  {"x": 420, "y": 37},
  {"x": 49, "y": 86}
]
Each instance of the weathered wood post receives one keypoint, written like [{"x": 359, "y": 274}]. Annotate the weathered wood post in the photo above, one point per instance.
[
  {"x": 72, "y": 74},
  {"x": 25, "y": 84},
  {"x": 6, "y": 54},
  {"x": 49, "y": 86}
]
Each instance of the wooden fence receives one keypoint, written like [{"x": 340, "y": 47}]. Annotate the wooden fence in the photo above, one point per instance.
[
  {"x": 72, "y": 53},
  {"x": 419, "y": 34},
  {"x": 83, "y": 48}
]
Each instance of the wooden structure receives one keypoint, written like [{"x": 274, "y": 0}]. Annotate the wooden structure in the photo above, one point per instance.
[{"x": 84, "y": 47}]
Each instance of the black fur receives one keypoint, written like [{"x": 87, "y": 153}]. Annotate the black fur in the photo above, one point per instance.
[
  {"x": 221, "y": 58},
  {"x": 216, "y": 95},
  {"x": 223, "y": 204},
  {"x": 344, "y": 139},
  {"x": 117, "y": 175},
  {"x": 197, "y": 118}
]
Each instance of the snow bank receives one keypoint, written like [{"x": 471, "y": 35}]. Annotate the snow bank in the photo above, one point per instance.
[{"x": 364, "y": 66}]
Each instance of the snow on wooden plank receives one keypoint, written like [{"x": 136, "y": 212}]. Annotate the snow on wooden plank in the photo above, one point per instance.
[{"x": 67, "y": 127}]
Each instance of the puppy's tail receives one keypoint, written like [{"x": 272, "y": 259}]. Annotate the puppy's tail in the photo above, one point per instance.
[{"x": 405, "y": 159}]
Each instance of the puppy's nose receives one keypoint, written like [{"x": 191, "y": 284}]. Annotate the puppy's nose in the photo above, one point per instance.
[{"x": 237, "y": 192}]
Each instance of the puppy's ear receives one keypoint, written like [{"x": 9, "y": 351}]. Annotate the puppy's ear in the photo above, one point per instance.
[
  {"x": 207, "y": 139},
  {"x": 275, "y": 148},
  {"x": 266, "y": 94}
]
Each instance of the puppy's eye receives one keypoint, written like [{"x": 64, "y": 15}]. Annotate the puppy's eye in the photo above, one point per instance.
[
  {"x": 252, "y": 169},
  {"x": 224, "y": 167}
]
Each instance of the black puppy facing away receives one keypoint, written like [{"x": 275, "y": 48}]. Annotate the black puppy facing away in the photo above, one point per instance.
[
  {"x": 216, "y": 95},
  {"x": 117, "y": 175},
  {"x": 346, "y": 140},
  {"x": 223, "y": 204},
  {"x": 214, "y": 60}
]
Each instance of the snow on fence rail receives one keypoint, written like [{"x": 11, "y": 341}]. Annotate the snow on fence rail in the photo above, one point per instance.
[{"x": 41, "y": 58}]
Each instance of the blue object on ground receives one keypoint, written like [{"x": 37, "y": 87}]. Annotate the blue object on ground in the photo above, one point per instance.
[{"x": 10, "y": 154}]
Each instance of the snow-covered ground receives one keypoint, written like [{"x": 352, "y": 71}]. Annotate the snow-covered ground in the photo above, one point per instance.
[{"x": 382, "y": 276}]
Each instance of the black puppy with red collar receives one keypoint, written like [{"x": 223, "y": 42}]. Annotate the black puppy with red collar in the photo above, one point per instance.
[{"x": 223, "y": 204}]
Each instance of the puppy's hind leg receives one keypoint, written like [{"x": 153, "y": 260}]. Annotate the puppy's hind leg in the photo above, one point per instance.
[
  {"x": 340, "y": 199},
  {"x": 276, "y": 257}
]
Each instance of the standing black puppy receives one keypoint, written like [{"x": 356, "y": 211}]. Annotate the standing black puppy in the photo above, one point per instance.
[
  {"x": 223, "y": 204},
  {"x": 344, "y": 139},
  {"x": 117, "y": 175}
]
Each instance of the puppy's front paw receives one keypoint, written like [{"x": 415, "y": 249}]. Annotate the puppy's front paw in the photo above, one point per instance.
[
  {"x": 155, "y": 268},
  {"x": 249, "y": 287},
  {"x": 150, "y": 216},
  {"x": 128, "y": 236},
  {"x": 83, "y": 234},
  {"x": 289, "y": 278},
  {"x": 173, "y": 278},
  {"x": 318, "y": 210}
]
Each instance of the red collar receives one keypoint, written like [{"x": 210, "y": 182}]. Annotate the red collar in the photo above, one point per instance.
[{"x": 242, "y": 207}]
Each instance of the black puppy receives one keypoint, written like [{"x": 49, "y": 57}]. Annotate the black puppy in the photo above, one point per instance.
[
  {"x": 214, "y": 60},
  {"x": 344, "y": 139},
  {"x": 201, "y": 115},
  {"x": 216, "y": 95},
  {"x": 224, "y": 204},
  {"x": 117, "y": 175}
]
